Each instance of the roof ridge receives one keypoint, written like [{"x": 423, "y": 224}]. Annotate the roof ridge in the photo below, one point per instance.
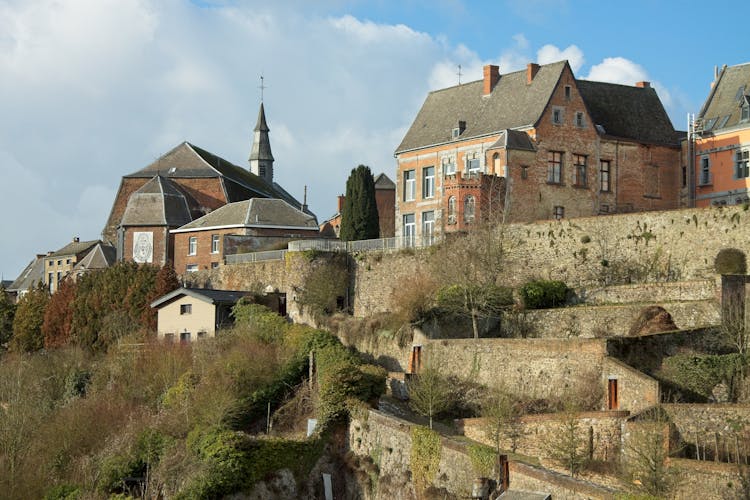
[{"x": 192, "y": 148}]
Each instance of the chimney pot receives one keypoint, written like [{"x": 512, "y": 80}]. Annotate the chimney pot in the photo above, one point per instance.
[
  {"x": 531, "y": 70},
  {"x": 643, "y": 85},
  {"x": 491, "y": 77}
]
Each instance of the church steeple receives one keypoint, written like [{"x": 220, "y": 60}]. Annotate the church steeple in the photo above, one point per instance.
[{"x": 261, "y": 159}]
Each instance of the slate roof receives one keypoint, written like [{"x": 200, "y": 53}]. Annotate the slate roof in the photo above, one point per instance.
[
  {"x": 512, "y": 104},
  {"x": 30, "y": 276},
  {"x": 159, "y": 202},
  {"x": 74, "y": 248},
  {"x": 382, "y": 181},
  {"x": 622, "y": 111},
  {"x": 254, "y": 212},
  {"x": 100, "y": 257},
  {"x": 724, "y": 101},
  {"x": 513, "y": 139},
  {"x": 628, "y": 112},
  {"x": 204, "y": 294},
  {"x": 189, "y": 161},
  {"x": 261, "y": 149}
]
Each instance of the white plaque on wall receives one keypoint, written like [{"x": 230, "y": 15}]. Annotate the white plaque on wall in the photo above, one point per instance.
[{"x": 143, "y": 247}]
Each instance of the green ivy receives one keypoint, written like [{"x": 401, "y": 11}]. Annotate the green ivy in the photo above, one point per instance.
[
  {"x": 701, "y": 373},
  {"x": 544, "y": 294},
  {"x": 425, "y": 456},
  {"x": 482, "y": 458}
]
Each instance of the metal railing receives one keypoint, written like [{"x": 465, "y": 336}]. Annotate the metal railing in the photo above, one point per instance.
[
  {"x": 255, "y": 256},
  {"x": 329, "y": 245}
]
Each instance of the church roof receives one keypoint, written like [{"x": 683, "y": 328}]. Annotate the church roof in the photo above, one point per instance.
[
  {"x": 731, "y": 90},
  {"x": 189, "y": 161},
  {"x": 157, "y": 203},
  {"x": 256, "y": 212},
  {"x": 261, "y": 149},
  {"x": 617, "y": 110},
  {"x": 100, "y": 257}
]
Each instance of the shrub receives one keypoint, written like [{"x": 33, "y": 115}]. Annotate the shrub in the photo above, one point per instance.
[
  {"x": 699, "y": 374},
  {"x": 730, "y": 261},
  {"x": 543, "y": 294},
  {"x": 259, "y": 321},
  {"x": 63, "y": 492}
]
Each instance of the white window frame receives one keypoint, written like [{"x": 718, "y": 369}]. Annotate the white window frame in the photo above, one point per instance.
[
  {"x": 473, "y": 163},
  {"x": 449, "y": 165},
  {"x": 215, "y": 238},
  {"x": 193, "y": 245},
  {"x": 410, "y": 229},
  {"x": 191, "y": 268},
  {"x": 428, "y": 182},
  {"x": 470, "y": 208},
  {"x": 410, "y": 185},
  {"x": 428, "y": 227}
]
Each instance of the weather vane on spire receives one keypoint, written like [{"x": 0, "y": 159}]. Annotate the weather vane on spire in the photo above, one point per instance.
[
  {"x": 459, "y": 74},
  {"x": 262, "y": 87}
]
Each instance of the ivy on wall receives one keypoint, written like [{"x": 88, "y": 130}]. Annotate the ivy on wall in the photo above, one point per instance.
[{"x": 425, "y": 456}]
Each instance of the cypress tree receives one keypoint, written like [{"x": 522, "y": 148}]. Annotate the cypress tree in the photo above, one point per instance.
[{"x": 359, "y": 217}]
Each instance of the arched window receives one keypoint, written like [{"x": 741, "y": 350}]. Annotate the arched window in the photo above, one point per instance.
[
  {"x": 469, "y": 208},
  {"x": 452, "y": 210}
]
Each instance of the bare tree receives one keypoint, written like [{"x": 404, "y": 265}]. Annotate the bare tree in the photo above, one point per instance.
[
  {"x": 646, "y": 454},
  {"x": 502, "y": 414},
  {"x": 430, "y": 393},
  {"x": 569, "y": 447}
]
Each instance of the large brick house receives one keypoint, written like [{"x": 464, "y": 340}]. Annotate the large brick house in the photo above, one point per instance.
[
  {"x": 245, "y": 226},
  {"x": 719, "y": 142},
  {"x": 534, "y": 144},
  {"x": 181, "y": 186}
]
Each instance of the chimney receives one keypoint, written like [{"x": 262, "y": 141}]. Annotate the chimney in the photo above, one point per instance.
[
  {"x": 643, "y": 85},
  {"x": 76, "y": 239},
  {"x": 491, "y": 77},
  {"x": 341, "y": 202},
  {"x": 531, "y": 70}
]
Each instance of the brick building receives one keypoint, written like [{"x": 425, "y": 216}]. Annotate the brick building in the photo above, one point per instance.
[
  {"x": 534, "y": 144},
  {"x": 385, "y": 198},
  {"x": 185, "y": 184},
  {"x": 719, "y": 142},
  {"x": 244, "y": 226},
  {"x": 58, "y": 264}
]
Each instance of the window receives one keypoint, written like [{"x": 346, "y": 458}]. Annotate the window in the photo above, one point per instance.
[
  {"x": 169, "y": 337},
  {"x": 261, "y": 170},
  {"x": 50, "y": 282},
  {"x": 449, "y": 166},
  {"x": 184, "y": 337},
  {"x": 496, "y": 165},
  {"x": 705, "y": 171},
  {"x": 452, "y": 210},
  {"x": 579, "y": 170},
  {"x": 191, "y": 268},
  {"x": 428, "y": 182},
  {"x": 524, "y": 172},
  {"x": 741, "y": 164},
  {"x": 455, "y": 133},
  {"x": 604, "y": 170},
  {"x": 554, "y": 167},
  {"x": 723, "y": 121},
  {"x": 409, "y": 229},
  {"x": 469, "y": 209},
  {"x": 472, "y": 163},
  {"x": 558, "y": 115},
  {"x": 51, "y": 263},
  {"x": 192, "y": 245},
  {"x": 214, "y": 243},
  {"x": 558, "y": 212},
  {"x": 59, "y": 277},
  {"x": 67, "y": 261},
  {"x": 428, "y": 225},
  {"x": 580, "y": 121},
  {"x": 202, "y": 334},
  {"x": 745, "y": 113},
  {"x": 59, "y": 263},
  {"x": 567, "y": 92},
  {"x": 410, "y": 185},
  {"x": 214, "y": 265},
  {"x": 186, "y": 309}
]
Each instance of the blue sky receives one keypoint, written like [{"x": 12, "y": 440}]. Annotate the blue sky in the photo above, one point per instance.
[{"x": 91, "y": 90}]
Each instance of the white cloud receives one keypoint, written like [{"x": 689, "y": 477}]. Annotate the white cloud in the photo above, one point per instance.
[
  {"x": 618, "y": 70},
  {"x": 549, "y": 53}
]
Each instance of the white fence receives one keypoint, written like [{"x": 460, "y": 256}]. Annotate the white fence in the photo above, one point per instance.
[{"x": 330, "y": 245}]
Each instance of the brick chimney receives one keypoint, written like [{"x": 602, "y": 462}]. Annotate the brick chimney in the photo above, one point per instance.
[
  {"x": 531, "y": 70},
  {"x": 341, "y": 199},
  {"x": 491, "y": 77},
  {"x": 643, "y": 85}
]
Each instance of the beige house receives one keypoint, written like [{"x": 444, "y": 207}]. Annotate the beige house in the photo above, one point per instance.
[{"x": 188, "y": 314}]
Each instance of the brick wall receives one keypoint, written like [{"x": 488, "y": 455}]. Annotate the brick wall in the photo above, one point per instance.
[{"x": 162, "y": 249}]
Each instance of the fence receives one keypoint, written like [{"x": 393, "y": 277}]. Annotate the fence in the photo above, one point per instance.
[{"x": 255, "y": 256}]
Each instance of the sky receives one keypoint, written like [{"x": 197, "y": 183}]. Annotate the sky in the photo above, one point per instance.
[{"x": 91, "y": 90}]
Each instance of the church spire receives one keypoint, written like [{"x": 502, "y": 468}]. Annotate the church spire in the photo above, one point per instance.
[{"x": 261, "y": 158}]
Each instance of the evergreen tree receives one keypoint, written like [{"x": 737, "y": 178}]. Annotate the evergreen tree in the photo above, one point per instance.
[
  {"x": 359, "y": 218},
  {"x": 7, "y": 312},
  {"x": 27, "y": 324}
]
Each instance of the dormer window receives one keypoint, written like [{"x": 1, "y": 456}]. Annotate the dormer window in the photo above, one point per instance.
[
  {"x": 459, "y": 129},
  {"x": 745, "y": 113}
]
